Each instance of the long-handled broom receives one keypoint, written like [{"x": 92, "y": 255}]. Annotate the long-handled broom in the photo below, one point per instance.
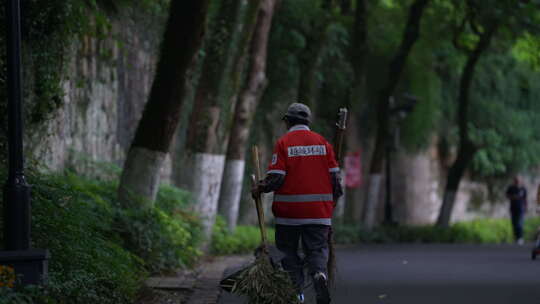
[
  {"x": 261, "y": 282},
  {"x": 341, "y": 126}
]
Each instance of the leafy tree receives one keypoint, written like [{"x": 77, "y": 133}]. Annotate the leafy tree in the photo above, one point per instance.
[
  {"x": 506, "y": 117},
  {"x": 527, "y": 49},
  {"x": 477, "y": 26},
  {"x": 358, "y": 54},
  {"x": 395, "y": 70},
  {"x": 248, "y": 100},
  {"x": 208, "y": 129}
]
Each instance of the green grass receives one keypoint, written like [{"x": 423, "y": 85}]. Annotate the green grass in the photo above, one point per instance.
[
  {"x": 480, "y": 231},
  {"x": 245, "y": 239}
]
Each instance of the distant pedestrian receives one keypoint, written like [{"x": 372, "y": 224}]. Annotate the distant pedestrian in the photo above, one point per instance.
[
  {"x": 538, "y": 198},
  {"x": 517, "y": 194},
  {"x": 537, "y": 244},
  {"x": 305, "y": 177}
]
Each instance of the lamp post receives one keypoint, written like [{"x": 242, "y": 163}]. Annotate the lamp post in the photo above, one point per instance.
[
  {"x": 388, "y": 211},
  {"x": 17, "y": 191},
  {"x": 30, "y": 264},
  {"x": 397, "y": 112}
]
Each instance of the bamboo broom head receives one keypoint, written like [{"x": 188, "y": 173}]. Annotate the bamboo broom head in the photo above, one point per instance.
[{"x": 262, "y": 283}]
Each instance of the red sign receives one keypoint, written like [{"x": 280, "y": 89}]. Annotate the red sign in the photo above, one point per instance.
[{"x": 353, "y": 170}]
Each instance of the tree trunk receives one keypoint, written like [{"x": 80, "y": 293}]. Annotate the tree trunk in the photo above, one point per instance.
[
  {"x": 233, "y": 174},
  {"x": 242, "y": 48},
  {"x": 182, "y": 39},
  {"x": 347, "y": 205},
  {"x": 410, "y": 36},
  {"x": 465, "y": 155},
  {"x": 352, "y": 205},
  {"x": 466, "y": 149},
  {"x": 210, "y": 102},
  {"x": 208, "y": 132},
  {"x": 346, "y": 6},
  {"x": 243, "y": 116},
  {"x": 359, "y": 49},
  {"x": 242, "y": 36}
]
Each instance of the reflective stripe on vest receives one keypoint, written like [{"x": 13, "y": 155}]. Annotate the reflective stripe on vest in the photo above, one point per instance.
[
  {"x": 299, "y": 198},
  {"x": 297, "y": 222},
  {"x": 282, "y": 172}
]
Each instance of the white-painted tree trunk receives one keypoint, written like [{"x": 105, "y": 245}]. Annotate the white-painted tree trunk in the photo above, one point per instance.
[
  {"x": 370, "y": 211},
  {"x": 205, "y": 186},
  {"x": 231, "y": 191},
  {"x": 140, "y": 178}
]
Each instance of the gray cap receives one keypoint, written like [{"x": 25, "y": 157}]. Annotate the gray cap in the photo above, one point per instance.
[{"x": 300, "y": 111}]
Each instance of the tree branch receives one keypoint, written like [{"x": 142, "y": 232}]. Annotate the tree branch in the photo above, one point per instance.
[
  {"x": 458, "y": 30},
  {"x": 466, "y": 82}
]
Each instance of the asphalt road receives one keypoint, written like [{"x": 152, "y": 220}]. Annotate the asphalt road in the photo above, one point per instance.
[{"x": 434, "y": 274}]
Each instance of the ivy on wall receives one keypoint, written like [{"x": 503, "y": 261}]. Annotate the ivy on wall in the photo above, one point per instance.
[{"x": 49, "y": 30}]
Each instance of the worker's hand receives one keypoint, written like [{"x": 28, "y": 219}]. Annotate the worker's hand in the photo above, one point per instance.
[
  {"x": 256, "y": 189},
  {"x": 255, "y": 193}
]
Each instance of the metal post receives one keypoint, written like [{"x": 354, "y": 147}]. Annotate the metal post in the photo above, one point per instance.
[
  {"x": 16, "y": 191},
  {"x": 30, "y": 265},
  {"x": 388, "y": 212},
  {"x": 388, "y": 150}
]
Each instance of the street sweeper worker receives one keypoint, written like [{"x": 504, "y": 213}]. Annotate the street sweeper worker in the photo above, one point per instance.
[{"x": 304, "y": 176}]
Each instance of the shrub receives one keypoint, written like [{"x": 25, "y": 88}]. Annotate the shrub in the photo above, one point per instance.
[
  {"x": 100, "y": 253},
  {"x": 245, "y": 239},
  {"x": 480, "y": 231},
  {"x": 163, "y": 241},
  {"x": 87, "y": 263},
  {"x": 173, "y": 200},
  {"x": 483, "y": 231},
  {"x": 531, "y": 227},
  {"x": 165, "y": 237},
  {"x": 25, "y": 295}
]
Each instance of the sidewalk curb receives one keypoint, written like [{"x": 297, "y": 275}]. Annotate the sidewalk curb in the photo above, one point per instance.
[{"x": 207, "y": 289}]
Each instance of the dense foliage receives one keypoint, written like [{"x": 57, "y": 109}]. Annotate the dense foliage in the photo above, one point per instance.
[
  {"x": 506, "y": 129},
  {"x": 100, "y": 253}
]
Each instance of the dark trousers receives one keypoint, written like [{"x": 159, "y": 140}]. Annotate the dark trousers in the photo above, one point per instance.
[
  {"x": 517, "y": 224},
  {"x": 314, "y": 240}
]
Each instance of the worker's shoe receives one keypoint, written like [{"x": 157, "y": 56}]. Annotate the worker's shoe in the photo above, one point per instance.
[{"x": 320, "y": 282}]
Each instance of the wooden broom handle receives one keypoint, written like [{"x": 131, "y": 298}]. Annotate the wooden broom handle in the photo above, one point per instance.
[{"x": 255, "y": 180}]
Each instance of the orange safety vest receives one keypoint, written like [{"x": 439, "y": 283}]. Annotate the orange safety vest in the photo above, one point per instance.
[{"x": 306, "y": 159}]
